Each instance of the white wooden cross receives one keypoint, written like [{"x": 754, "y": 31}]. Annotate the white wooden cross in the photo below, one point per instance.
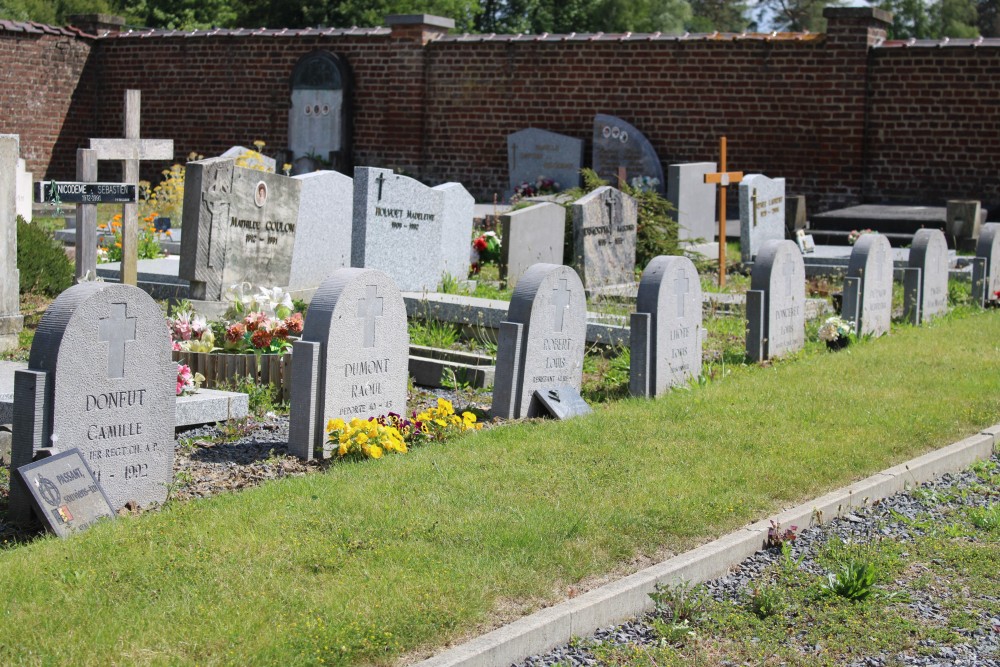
[{"x": 130, "y": 151}]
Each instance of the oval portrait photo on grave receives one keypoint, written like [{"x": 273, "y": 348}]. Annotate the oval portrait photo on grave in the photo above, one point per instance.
[{"x": 260, "y": 194}]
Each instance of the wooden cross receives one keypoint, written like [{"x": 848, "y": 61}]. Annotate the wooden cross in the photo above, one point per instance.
[
  {"x": 130, "y": 151},
  {"x": 723, "y": 179}
]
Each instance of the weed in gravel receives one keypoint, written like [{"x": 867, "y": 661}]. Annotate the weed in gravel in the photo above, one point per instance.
[
  {"x": 985, "y": 518},
  {"x": 765, "y": 601},
  {"x": 855, "y": 580}
]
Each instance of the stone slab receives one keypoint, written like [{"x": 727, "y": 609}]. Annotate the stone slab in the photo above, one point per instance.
[
  {"x": 562, "y": 401},
  {"x": 532, "y": 235},
  {"x": 66, "y": 494},
  {"x": 534, "y": 153},
  {"x": 323, "y": 233},
  {"x": 694, "y": 200}
]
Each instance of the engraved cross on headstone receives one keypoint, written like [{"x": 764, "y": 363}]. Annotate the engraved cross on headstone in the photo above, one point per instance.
[
  {"x": 789, "y": 271},
  {"x": 116, "y": 330},
  {"x": 381, "y": 181},
  {"x": 753, "y": 203},
  {"x": 560, "y": 302},
  {"x": 130, "y": 151},
  {"x": 681, "y": 287},
  {"x": 370, "y": 308},
  {"x": 613, "y": 202},
  {"x": 880, "y": 263},
  {"x": 216, "y": 200}
]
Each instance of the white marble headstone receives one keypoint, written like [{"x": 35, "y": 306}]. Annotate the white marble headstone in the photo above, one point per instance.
[{"x": 323, "y": 233}]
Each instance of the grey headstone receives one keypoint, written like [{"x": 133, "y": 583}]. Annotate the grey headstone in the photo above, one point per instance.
[
  {"x": 929, "y": 253},
  {"x": 762, "y": 213},
  {"x": 239, "y": 225},
  {"x": 532, "y": 153},
  {"x": 66, "y": 493},
  {"x": 250, "y": 158},
  {"x": 562, "y": 401},
  {"x": 532, "y": 235},
  {"x": 24, "y": 184},
  {"x": 11, "y": 320},
  {"x": 604, "y": 237},
  {"x": 619, "y": 144},
  {"x": 666, "y": 333},
  {"x": 415, "y": 234},
  {"x": 541, "y": 343},
  {"x": 323, "y": 232},
  {"x": 963, "y": 222},
  {"x": 776, "y": 301},
  {"x": 988, "y": 248},
  {"x": 354, "y": 355},
  {"x": 871, "y": 267},
  {"x": 100, "y": 379},
  {"x": 693, "y": 199}
]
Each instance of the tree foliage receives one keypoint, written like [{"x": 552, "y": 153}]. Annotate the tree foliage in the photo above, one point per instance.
[
  {"x": 721, "y": 15},
  {"x": 942, "y": 18}
]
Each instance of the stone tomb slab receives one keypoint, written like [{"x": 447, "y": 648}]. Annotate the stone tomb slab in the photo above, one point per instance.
[
  {"x": 239, "y": 226},
  {"x": 66, "y": 494},
  {"x": 762, "y": 213},
  {"x": 604, "y": 237},
  {"x": 541, "y": 343},
  {"x": 618, "y": 144},
  {"x": 352, "y": 361},
  {"x": 532, "y": 235},
  {"x": 534, "y": 153},
  {"x": 693, "y": 200},
  {"x": 323, "y": 232},
  {"x": 776, "y": 302},
  {"x": 926, "y": 278},
  {"x": 868, "y": 286},
  {"x": 413, "y": 233},
  {"x": 986, "y": 270},
  {"x": 100, "y": 379},
  {"x": 666, "y": 333}
]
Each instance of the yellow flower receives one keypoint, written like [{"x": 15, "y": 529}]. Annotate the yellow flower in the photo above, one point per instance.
[
  {"x": 259, "y": 144},
  {"x": 342, "y": 450},
  {"x": 335, "y": 425},
  {"x": 445, "y": 406},
  {"x": 375, "y": 452}
]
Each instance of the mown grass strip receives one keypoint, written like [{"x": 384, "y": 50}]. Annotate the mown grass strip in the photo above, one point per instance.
[{"x": 372, "y": 560}]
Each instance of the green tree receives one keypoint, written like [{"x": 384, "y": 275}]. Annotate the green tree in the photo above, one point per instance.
[
  {"x": 957, "y": 18},
  {"x": 721, "y": 15},
  {"x": 988, "y": 20},
  {"x": 55, "y": 13},
  {"x": 793, "y": 15},
  {"x": 181, "y": 14}
]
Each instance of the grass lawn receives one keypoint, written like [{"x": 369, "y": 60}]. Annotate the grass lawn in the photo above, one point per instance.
[{"x": 371, "y": 561}]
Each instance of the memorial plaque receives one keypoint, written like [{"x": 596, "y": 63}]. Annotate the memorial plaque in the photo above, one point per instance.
[
  {"x": 762, "y": 213},
  {"x": 534, "y": 153},
  {"x": 65, "y": 492},
  {"x": 563, "y": 401},
  {"x": 619, "y": 145},
  {"x": 84, "y": 193},
  {"x": 776, "y": 302},
  {"x": 604, "y": 237}
]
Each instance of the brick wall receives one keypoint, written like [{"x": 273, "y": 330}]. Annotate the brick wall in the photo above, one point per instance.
[{"x": 841, "y": 116}]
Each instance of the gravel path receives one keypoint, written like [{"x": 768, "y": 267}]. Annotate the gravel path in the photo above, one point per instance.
[{"x": 936, "y": 499}]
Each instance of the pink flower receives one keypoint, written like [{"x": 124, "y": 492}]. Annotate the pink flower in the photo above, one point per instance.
[{"x": 294, "y": 324}]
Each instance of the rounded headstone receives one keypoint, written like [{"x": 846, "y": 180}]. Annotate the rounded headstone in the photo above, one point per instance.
[
  {"x": 106, "y": 348},
  {"x": 871, "y": 261},
  {"x": 929, "y": 253},
  {"x": 670, "y": 290},
  {"x": 781, "y": 274},
  {"x": 988, "y": 247}
]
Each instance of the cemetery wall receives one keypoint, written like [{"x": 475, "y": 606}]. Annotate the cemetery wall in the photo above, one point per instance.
[{"x": 841, "y": 118}]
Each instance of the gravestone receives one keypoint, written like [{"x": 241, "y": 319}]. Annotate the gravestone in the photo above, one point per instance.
[
  {"x": 986, "y": 265},
  {"x": 352, "y": 360},
  {"x": 693, "y": 199},
  {"x": 925, "y": 286},
  {"x": 100, "y": 379},
  {"x": 665, "y": 331},
  {"x": 11, "y": 320},
  {"x": 532, "y": 235},
  {"x": 534, "y": 153},
  {"x": 414, "y": 233},
  {"x": 776, "y": 301},
  {"x": 868, "y": 286},
  {"x": 323, "y": 231},
  {"x": 318, "y": 118},
  {"x": 762, "y": 213},
  {"x": 65, "y": 492},
  {"x": 604, "y": 237},
  {"x": 239, "y": 225},
  {"x": 250, "y": 158},
  {"x": 23, "y": 207},
  {"x": 963, "y": 223},
  {"x": 618, "y": 145},
  {"x": 541, "y": 343}
]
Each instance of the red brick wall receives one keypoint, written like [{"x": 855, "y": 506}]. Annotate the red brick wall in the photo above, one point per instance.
[{"x": 928, "y": 129}]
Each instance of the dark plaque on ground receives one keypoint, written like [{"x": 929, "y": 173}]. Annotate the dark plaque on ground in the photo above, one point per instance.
[
  {"x": 65, "y": 192},
  {"x": 563, "y": 401},
  {"x": 65, "y": 493}
]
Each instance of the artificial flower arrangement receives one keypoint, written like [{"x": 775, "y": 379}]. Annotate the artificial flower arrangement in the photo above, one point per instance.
[
  {"x": 485, "y": 250},
  {"x": 856, "y": 234},
  {"x": 188, "y": 382},
  {"x": 374, "y": 437},
  {"x": 837, "y": 332}
]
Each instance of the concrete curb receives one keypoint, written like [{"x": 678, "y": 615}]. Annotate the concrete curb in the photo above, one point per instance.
[{"x": 629, "y": 597}]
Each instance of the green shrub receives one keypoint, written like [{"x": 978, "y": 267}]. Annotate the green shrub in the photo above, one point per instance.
[{"x": 42, "y": 262}]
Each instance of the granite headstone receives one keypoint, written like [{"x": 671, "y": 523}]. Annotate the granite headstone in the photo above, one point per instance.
[
  {"x": 66, "y": 494},
  {"x": 665, "y": 331},
  {"x": 24, "y": 190},
  {"x": 868, "y": 286},
  {"x": 762, "y": 213},
  {"x": 534, "y": 153},
  {"x": 415, "y": 234},
  {"x": 11, "y": 320},
  {"x": 323, "y": 231},
  {"x": 250, "y": 158},
  {"x": 619, "y": 145},
  {"x": 925, "y": 290},
  {"x": 776, "y": 301},
  {"x": 693, "y": 199},
  {"x": 541, "y": 343},
  {"x": 986, "y": 266},
  {"x": 239, "y": 226},
  {"x": 100, "y": 379},
  {"x": 352, "y": 360},
  {"x": 604, "y": 237},
  {"x": 532, "y": 235}
]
